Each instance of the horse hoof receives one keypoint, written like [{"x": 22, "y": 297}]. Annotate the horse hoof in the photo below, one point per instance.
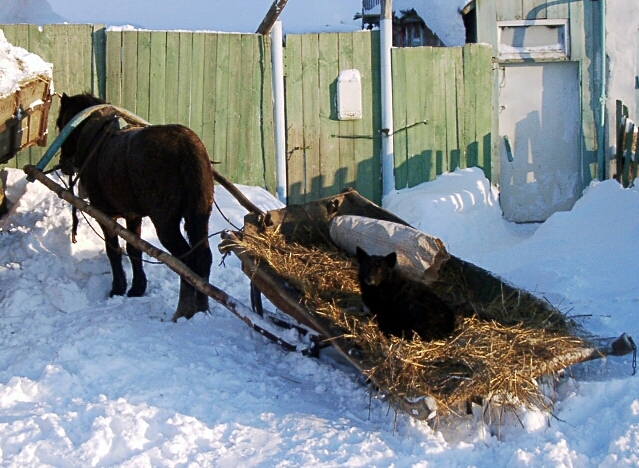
[
  {"x": 179, "y": 314},
  {"x": 138, "y": 286},
  {"x": 116, "y": 293}
]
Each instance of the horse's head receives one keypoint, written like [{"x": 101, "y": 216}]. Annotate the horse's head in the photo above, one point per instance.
[{"x": 69, "y": 107}]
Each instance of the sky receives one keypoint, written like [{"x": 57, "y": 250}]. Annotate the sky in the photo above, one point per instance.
[
  {"x": 87, "y": 380},
  {"x": 298, "y": 16}
]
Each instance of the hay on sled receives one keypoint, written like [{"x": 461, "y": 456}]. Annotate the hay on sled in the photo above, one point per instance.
[
  {"x": 498, "y": 350},
  {"x": 505, "y": 338}
]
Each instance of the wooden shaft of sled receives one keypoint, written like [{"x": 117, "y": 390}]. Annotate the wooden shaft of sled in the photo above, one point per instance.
[
  {"x": 232, "y": 304},
  {"x": 237, "y": 194}
]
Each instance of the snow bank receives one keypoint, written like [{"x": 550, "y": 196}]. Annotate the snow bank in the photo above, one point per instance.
[{"x": 18, "y": 66}]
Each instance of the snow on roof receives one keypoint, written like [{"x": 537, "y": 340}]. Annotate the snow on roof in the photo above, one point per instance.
[{"x": 18, "y": 66}]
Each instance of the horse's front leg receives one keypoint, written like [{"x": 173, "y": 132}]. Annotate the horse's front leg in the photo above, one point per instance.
[
  {"x": 138, "y": 285},
  {"x": 118, "y": 287}
]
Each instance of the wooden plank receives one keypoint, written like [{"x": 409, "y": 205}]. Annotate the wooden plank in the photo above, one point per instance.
[
  {"x": 508, "y": 10},
  {"x": 452, "y": 68},
  {"x": 197, "y": 83},
  {"x": 376, "y": 111},
  {"x": 98, "y": 60},
  {"x": 208, "y": 100},
  {"x": 40, "y": 42},
  {"x": 294, "y": 119},
  {"x": 328, "y": 137},
  {"x": 368, "y": 169},
  {"x": 222, "y": 102},
  {"x": 484, "y": 105},
  {"x": 244, "y": 102},
  {"x": 79, "y": 58},
  {"x": 471, "y": 84},
  {"x": 627, "y": 153},
  {"x": 348, "y": 165},
  {"x": 621, "y": 136},
  {"x": 14, "y": 35},
  {"x": 400, "y": 99},
  {"x": 420, "y": 106},
  {"x": 267, "y": 140},
  {"x": 184, "y": 78},
  {"x": 144, "y": 71},
  {"x": 235, "y": 90},
  {"x": 261, "y": 82},
  {"x": 171, "y": 71},
  {"x": 114, "y": 67},
  {"x": 534, "y": 9},
  {"x": 60, "y": 51},
  {"x": 310, "y": 111},
  {"x": 157, "y": 80},
  {"x": 130, "y": 70},
  {"x": 19, "y": 35},
  {"x": 456, "y": 155},
  {"x": 438, "y": 163}
]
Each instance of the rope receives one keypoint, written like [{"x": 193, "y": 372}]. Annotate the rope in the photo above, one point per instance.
[{"x": 634, "y": 355}]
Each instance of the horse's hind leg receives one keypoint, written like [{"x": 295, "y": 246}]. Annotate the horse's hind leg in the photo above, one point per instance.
[
  {"x": 118, "y": 287},
  {"x": 200, "y": 259},
  {"x": 170, "y": 236},
  {"x": 138, "y": 284}
]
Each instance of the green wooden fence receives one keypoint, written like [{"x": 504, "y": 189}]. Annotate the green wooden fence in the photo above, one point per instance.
[
  {"x": 217, "y": 84},
  {"x": 442, "y": 101},
  {"x": 220, "y": 85},
  {"x": 325, "y": 154}
]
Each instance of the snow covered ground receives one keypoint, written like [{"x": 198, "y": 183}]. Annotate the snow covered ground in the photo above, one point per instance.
[{"x": 90, "y": 381}]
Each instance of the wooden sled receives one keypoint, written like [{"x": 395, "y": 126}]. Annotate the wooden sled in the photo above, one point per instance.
[{"x": 308, "y": 224}]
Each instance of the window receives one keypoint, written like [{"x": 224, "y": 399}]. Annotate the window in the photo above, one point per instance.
[{"x": 533, "y": 39}]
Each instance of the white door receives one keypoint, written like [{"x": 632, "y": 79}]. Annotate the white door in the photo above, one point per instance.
[{"x": 539, "y": 127}]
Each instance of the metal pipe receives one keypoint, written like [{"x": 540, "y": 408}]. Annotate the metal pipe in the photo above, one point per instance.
[
  {"x": 386, "y": 43},
  {"x": 278, "y": 111},
  {"x": 601, "y": 157}
]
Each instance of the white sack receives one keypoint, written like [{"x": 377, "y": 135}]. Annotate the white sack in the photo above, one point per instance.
[{"x": 419, "y": 255}]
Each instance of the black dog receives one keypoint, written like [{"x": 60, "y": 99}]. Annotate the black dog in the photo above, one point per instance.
[{"x": 401, "y": 305}]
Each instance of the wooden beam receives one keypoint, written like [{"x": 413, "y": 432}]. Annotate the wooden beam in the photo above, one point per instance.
[{"x": 271, "y": 17}]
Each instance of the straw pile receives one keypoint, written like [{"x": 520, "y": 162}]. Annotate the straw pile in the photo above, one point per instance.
[{"x": 496, "y": 353}]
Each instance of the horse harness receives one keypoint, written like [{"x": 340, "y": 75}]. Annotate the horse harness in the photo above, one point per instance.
[{"x": 100, "y": 127}]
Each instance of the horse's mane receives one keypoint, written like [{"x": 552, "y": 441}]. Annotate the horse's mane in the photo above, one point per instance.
[{"x": 90, "y": 99}]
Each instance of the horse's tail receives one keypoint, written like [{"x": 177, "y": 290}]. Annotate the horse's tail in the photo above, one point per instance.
[{"x": 197, "y": 179}]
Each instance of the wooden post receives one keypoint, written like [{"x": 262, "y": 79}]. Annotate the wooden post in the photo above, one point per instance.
[{"x": 271, "y": 17}]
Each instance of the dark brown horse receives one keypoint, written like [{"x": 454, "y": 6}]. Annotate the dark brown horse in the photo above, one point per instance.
[{"x": 133, "y": 171}]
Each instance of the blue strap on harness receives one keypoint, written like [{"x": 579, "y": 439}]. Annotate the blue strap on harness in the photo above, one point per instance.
[{"x": 73, "y": 123}]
